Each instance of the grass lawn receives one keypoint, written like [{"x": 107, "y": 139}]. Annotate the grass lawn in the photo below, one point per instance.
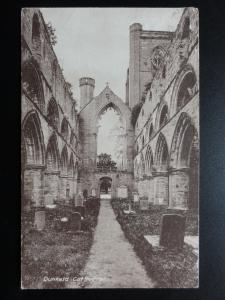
[
  {"x": 55, "y": 253},
  {"x": 169, "y": 268}
]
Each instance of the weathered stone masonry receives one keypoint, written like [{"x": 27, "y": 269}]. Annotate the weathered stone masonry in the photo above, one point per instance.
[
  {"x": 167, "y": 128},
  {"x": 50, "y": 139},
  {"x": 59, "y": 146}
]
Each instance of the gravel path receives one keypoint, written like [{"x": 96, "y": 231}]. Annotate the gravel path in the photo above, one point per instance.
[{"x": 112, "y": 262}]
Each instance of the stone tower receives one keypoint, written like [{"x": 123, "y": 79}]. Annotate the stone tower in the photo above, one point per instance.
[
  {"x": 134, "y": 64},
  {"x": 145, "y": 47},
  {"x": 87, "y": 86}
]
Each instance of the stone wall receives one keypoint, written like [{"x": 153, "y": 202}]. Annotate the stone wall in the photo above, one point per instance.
[
  {"x": 47, "y": 104},
  {"x": 175, "y": 81}
]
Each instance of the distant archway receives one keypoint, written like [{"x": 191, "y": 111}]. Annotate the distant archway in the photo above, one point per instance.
[{"x": 105, "y": 185}]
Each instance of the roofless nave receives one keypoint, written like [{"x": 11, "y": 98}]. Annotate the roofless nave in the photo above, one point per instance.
[{"x": 160, "y": 113}]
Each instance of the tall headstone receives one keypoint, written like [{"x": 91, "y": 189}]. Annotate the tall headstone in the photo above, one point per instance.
[
  {"x": 79, "y": 201},
  {"x": 93, "y": 192},
  {"x": 39, "y": 219},
  {"x": 136, "y": 197},
  {"x": 75, "y": 221},
  {"x": 143, "y": 203},
  {"x": 122, "y": 192},
  {"x": 172, "y": 231}
]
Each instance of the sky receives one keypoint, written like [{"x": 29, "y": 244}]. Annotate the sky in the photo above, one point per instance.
[{"x": 94, "y": 42}]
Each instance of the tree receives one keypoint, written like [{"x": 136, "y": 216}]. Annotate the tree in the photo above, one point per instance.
[
  {"x": 51, "y": 32},
  {"x": 105, "y": 161},
  {"x": 69, "y": 87}
]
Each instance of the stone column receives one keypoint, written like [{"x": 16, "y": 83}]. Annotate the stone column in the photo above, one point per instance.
[
  {"x": 161, "y": 185},
  {"x": 63, "y": 187},
  {"x": 34, "y": 186},
  {"x": 179, "y": 188},
  {"x": 150, "y": 189},
  {"x": 51, "y": 186}
]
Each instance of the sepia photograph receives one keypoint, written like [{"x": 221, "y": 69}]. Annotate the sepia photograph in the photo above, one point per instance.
[{"x": 110, "y": 147}]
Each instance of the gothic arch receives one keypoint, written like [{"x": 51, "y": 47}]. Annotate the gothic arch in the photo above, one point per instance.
[
  {"x": 52, "y": 154},
  {"x": 185, "y": 136},
  {"x": 53, "y": 113},
  {"x": 64, "y": 161},
  {"x": 162, "y": 115},
  {"x": 184, "y": 88},
  {"x": 36, "y": 31},
  {"x": 36, "y": 36},
  {"x": 142, "y": 165},
  {"x": 32, "y": 139},
  {"x": 108, "y": 99},
  {"x": 65, "y": 128},
  {"x": 151, "y": 130},
  {"x": 32, "y": 84},
  {"x": 161, "y": 154},
  {"x": 71, "y": 168},
  {"x": 148, "y": 161}
]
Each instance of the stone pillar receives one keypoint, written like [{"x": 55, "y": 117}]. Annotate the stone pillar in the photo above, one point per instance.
[
  {"x": 161, "y": 185},
  {"x": 179, "y": 188},
  {"x": 63, "y": 187},
  {"x": 51, "y": 186},
  {"x": 151, "y": 190},
  {"x": 134, "y": 64},
  {"x": 71, "y": 186},
  {"x": 34, "y": 186}
]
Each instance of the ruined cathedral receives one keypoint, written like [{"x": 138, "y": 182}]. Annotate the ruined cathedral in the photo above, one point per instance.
[{"x": 160, "y": 114}]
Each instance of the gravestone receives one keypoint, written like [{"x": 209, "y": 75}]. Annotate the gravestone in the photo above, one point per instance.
[
  {"x": 93, "y": 192},
  {"x": 136, "y": 197},
  {"x": 172, "y": 231},
  {"x": 122, "y": 192},
  {"x": 80, "y": 209},
  {"x": 143, "y": 203},
  {"x": 39, "y": 219},
  {"x": 79, "y": 201},
  {"x": 75, "y": 221}
]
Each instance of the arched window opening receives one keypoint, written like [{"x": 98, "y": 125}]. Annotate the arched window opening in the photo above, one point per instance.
[
  {"x": 53, "y": 113},
  {"x": 72, "y": 139},
  {"x": 142, "y": 165},
  {"x": 35, "y": 28},
  {"x": 148, "y": 161},
  {"x": 150, "y": 131},
  {"x": 64, "y": 161},
  {"x": 33, "y": 141},
  {"x": 36, "y": 35},
  {"x": 32, "y": 85},
  {"x": 52, "y": 154},
  {"x": 71, "y": 170},
  {"x": 162, "y": 154},
  {"x": 164, "y": 72},
  {"x": 185, "y": 151},
  {"x": 164, "y": 116},
  {"x": 186, "y": 29},
  {"x": 65, "y": 129},
  {"x": 186, "y": 90}
]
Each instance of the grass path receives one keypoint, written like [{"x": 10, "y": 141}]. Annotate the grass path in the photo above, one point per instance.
[{"x": 112, "y": 262}]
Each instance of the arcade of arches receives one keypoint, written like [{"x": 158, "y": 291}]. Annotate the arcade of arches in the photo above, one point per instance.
[{"x": 160, "y": 153}]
